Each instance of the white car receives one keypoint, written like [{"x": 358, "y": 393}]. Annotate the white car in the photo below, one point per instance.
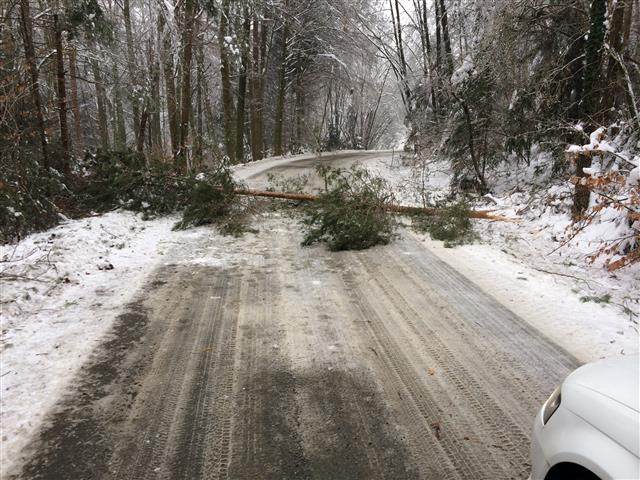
[{"x": 589, "y": 428}]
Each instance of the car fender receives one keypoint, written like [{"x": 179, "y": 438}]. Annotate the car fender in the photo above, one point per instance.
[{"x": 569, "y": 438}]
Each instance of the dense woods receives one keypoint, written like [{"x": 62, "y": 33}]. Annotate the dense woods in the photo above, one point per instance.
[{"x": 193, "y": 83}]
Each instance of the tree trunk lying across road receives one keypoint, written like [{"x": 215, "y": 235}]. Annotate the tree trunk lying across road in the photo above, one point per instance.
[{"x": 305, "y": 197}]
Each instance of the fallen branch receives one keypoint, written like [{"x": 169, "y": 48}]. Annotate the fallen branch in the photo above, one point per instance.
[
  {"x": 14, "y": 277},
  {"x": 304, "y": 197},
  {"x": 566, "y": 275},
  {"x": 477, "y": 214}
]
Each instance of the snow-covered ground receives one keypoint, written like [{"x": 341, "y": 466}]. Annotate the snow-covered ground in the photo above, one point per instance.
[
  {"x": 551, "y": 303},
  {"x": 61, "y": 291},
  {"x": 546, "y": 238}
]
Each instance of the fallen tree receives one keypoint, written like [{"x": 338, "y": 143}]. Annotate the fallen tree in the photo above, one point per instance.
[{"x": 305, "y": 197}]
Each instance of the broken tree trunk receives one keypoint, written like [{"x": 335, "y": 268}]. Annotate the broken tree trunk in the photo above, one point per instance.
[{"x": 305, "y": 197}]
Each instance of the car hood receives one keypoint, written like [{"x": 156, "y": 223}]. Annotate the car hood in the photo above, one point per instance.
[
  {"x": 606, "y": 394},
  {"x": 617, "y": 378}
]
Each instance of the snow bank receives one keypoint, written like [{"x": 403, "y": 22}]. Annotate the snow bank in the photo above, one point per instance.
[
  {"x": 61, "y": 291},
  {"x": 412, "y": 185},
  {"x": 551, "y": 303}
]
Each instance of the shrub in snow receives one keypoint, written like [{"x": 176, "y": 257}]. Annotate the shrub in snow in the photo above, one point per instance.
[
  {"x": 287, "y": 184},
  {"x": 209, "y": 199},
  {"x": 352, "y": 213},
  {"x": 453, "y": 226},
  {"x": 123, "y": 180},
  {"x": 106, "y": 180},
  {"x": 30, "y": 200}
]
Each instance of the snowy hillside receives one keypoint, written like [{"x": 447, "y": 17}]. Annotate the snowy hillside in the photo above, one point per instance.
[{"x": 61, "y": 292}]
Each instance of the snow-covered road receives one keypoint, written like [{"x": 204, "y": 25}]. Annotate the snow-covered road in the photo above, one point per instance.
[
  {"x": 256, "y": 358},
  {"x": 278, "y": 361},
  {"x": 516, "y": 274}
]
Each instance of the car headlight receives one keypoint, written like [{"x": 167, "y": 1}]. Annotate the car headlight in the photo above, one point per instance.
[{"x": 551, "y": 405}]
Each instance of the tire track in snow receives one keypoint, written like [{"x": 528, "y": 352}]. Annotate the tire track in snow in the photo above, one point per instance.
[{"x": 427, "y": 376}]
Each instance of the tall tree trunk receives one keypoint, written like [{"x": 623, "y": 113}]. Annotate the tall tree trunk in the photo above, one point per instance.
[
  {"x": 187, "y": 54},
  {"x": 592, "y": 106},
  {"x": 225, "y": 71},
  {"x": 438, "y": 37},
  {"x": 446, "y": 39},
  {"x": 571, "y": 79},
  {"x": 426, "y": 52},
  {"x": 30, "y": 56},
  {"x": 242, "y": 87},
  {"x": 48, "y": 68},
  {"x": 169, "y": 85},
  {"x": 199, "y": 124},
  {"x": 144, "y": 117},
  {"x": 101, "y": 101},
  {"x": 78, "y": 137},
  {"x": 593, "y": 63},
  {"x": 424, "y": 38},
  {"x": 208, "y": 121},
  {"x": 131, "y": 65},
  {"x": 113, "y": 120},
  {"x": 208, "y": 115},
  {"x": 479, "y": 172},
  {"x": 155, "y": 128},
  {"x": 120, "y": 130},
  {"x": 62, "y": 98},
  {"x": 619, "y": 30},
  {"x": 282, "y": 89},
  {"x": 259, "y": 42},
  {"x": 299, "y": 109},
  {"x": 402, "y": 62},
  {"x": 581, "y": 194}
]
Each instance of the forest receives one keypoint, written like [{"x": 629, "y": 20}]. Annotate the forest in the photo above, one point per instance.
[{"x": 93, "y": 91}]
